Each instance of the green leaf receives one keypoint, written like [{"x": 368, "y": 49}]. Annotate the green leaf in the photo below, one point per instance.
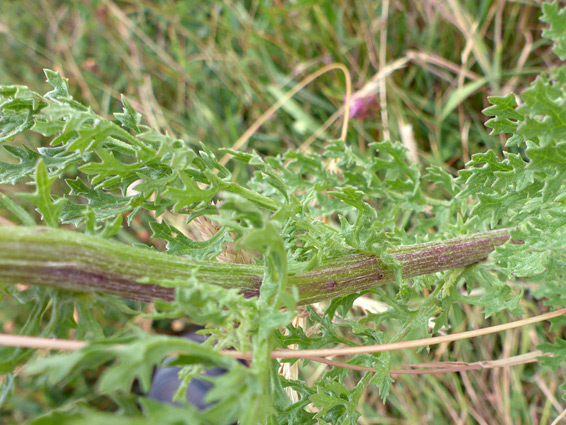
[
  {"x": 55, "y": 159},
  {"x": 12, "y": 173},
  {"x": 18, "y": 110},
  {"x": 552, "y": 161},
  {"x": 382, "y": 377},
  {"x": 460, "y": 94},
  {"x": 133, "y": 358},
  {"x": 50, "y": 209},
  {"x": 190, "y": 194},
  {"x": 558, "y": 351},
  {"x": 506, "y": 119},
  {"x": 44, "y": 302},
  {"x": 497, "y": 298},
  {"x": 179, "y": 244},
  {"x": 153, "y": 412},
  {"x": 105, "y": 206},
  {"x": 354, "y": 197},
  {"x": 6, "y": 388},
  {"x": 129, "y": 118},
  {"x": 109, "y": 168},
  {"x": 269, "y": 241},
  {"x": 60, "y": 85},
  {"x": 439, "y": 177},
  {"x": 556, "y": 17},
  {"x": 545, "y": 116},
  {"x": 17, "y": 210}
]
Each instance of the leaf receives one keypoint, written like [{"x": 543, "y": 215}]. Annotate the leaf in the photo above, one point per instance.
[
  {"x": 153, "y": 412},
  {"x": 50, "y": 209},
  {"x": 55, "y": 159},
  {"x": 60, "y": 85},
  {"x": 551, "y": 160},
  {"x": 18, "y": 110},
  {"x": 354, "y": 197},
  {"x": 88, "y": 136},
  {"x": 497, "y": 206},
  {"x": 545, "y": 116},
  {"x": 108, "y": 168},
  {"x": 179, "y": 244},
  {"x": 43, "y": 301},
  {"x": 476, "y": 179},
  {"x": 556, "y": 17},
  {"x": 439, "y": 177},
  {"x": 88, "y": 325},
  {"x": 459, "y": 95},
  {"x": 558, "y": 351},
  {"x": 303, "y": 121},
  {"x": 17, "y": 210},
  {"x": 382, "y": 377},
  {"x": 129, "y": 118},
  {"x": 12, "y": 173},
  {"x": 133, "y": 358},
  {"x": 190, "y": 194},
  {"x": 496, "y": 299},
  {"x": 506, "y": 119},
  {"x": 334, "y": 403},
  {"x": 6, "y": 388},
  {"x": 269, "y": 241},
  {"x": 105, "y": 206}
]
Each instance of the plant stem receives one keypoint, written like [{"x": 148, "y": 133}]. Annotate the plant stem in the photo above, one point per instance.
[
  {"x": 359, "y": 272},
  {"x": 78, "y": 262}
]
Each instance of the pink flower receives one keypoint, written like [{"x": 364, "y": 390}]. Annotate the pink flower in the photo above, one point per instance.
[{"x": 363, "y": 107}]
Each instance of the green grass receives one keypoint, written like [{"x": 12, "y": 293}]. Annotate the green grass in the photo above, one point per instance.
[{"x": 205, "y": 71}]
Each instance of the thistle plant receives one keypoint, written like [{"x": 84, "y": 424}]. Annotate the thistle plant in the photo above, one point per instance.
[{"x": 240, "y": 257}]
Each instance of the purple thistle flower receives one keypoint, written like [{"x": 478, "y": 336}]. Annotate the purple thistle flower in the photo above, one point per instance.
[{"x": 363, "y": 107}]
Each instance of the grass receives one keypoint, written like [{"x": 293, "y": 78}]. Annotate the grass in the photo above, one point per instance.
[
  {"x": 521, "y": 394},
  {"x": 207, "y": 71}
]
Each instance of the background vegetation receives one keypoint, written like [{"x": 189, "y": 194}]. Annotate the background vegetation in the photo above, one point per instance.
[{"x": 207, "y": 70}]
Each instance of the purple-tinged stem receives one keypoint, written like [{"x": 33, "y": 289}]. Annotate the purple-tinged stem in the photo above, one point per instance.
[
  {"x": 78, "y": 262},
  {"x": 356, "y": 273}
]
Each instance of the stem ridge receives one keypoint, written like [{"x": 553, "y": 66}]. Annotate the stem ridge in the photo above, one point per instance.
[{"x": 82, "y": 263}]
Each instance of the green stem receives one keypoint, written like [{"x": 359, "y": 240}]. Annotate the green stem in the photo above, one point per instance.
[
  {"x": 253, "y": 196},
  {"x": 78, "y": 262}
]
